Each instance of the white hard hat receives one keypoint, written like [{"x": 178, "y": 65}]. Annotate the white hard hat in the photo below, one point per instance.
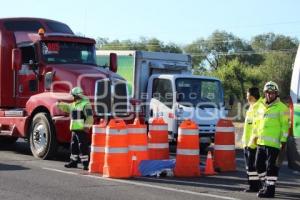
[{"x": 271, "y": 86}]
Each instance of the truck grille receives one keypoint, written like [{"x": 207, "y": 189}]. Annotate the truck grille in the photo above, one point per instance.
[
  {"x": 111, "y": 97},
  {"x": 207, "y": 129}
]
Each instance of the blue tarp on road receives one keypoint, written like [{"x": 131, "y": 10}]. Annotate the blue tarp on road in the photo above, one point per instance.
[{"x": 155, "y": 167}]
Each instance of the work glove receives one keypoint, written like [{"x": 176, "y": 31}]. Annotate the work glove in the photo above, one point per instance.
[{"x": 281, "y": 155}]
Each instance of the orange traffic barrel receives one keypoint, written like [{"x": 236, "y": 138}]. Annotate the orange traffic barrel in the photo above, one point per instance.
[
  {"x": 97, "y": 148},
  {"x": 116, "y": 159},
  {"x": 187, "y": 154},
  {"x": 224, "y": 148},
  {"x": 138, "y": 145},
  {"x": 158, "y": 142}
]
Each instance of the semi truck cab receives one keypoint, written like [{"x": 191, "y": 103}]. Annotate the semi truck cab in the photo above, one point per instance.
[{"x": 41, "y": 60}]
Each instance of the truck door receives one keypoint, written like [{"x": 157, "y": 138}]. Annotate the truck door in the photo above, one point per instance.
[
  {"x": 161, "y": 103},
  {"x": 26, "y": 80}
]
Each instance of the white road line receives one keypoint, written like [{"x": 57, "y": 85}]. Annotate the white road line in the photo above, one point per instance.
[{"x": 145, "y": 185}]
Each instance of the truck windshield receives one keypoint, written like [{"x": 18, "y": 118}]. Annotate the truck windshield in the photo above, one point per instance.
[
  {"x": 54, "y": 52},
  {"x": 203, "y": 93}
]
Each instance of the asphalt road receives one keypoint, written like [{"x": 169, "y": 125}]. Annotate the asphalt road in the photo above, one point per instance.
[{"x": 26, "y": 178}]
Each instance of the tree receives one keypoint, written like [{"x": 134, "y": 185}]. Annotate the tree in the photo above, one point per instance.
[
  {"x": 198, "y": 51},
  {"x": 154, "y": 44},
  {"x": 219, "y": 49},
  {"x": 172, "y": 48},
  {"x": 100, "y": 42},
  {"x": 270, "y": 41},
  {"x": 236, "y": 77},
  {"x": 143, "y": 44},
  {"x": 279, "y": 53},
  {"x": 278, "y": 67}
]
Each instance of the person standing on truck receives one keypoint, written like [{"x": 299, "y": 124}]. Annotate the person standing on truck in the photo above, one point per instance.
[
  {"x": 81, "y": 115},
  {"x": 254, "y": 100},
  {"x": 270, "y": 137}
]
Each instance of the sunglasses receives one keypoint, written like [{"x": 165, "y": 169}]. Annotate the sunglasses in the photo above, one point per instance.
[{"x": 271, "y": 88}]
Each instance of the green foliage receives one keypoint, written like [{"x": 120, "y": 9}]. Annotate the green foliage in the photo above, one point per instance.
[
  {"x": 270, "y": 41},
  {"x": 234, "y": 77},
  {"x": 219, "y": 49},
  {"x": 143, "y": 44},
  {"x": 278, "y": 68}
]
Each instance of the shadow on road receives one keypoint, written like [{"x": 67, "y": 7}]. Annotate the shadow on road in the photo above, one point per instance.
[
  {"x": 203, "y": 181},
  {"x": 6, "y": 167},
  {"x": 22, "y": 147},
  {"x": 287, "y": 195}
]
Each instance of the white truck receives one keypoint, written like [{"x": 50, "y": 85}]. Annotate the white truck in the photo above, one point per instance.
[
  {"x": 164, "y": 85},
  {"x": 293, "y": 147}
]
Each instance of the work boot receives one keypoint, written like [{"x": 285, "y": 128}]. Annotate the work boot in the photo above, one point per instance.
[
  {"x": 85, "y": 165},
  {"x": 262, "y": 187},
  {"x": 269, "y": 192},
  {"x": 71, "y": 164},
  {"x": 254, "y": 186}
]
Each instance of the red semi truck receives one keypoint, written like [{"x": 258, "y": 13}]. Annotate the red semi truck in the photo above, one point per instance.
[{"x": 41, "y": 60}]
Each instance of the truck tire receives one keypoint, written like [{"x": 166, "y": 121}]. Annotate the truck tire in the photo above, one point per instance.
[{"x": 42, "y": 136}]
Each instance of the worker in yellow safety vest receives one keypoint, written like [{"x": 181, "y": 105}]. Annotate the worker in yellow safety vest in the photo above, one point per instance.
[
  {"x": 81, "y": 121},
  {"x": 270, "y": 136},
  {"x": 254, "y": 100}
]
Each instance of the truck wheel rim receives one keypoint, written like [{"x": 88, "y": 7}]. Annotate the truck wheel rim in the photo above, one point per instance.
[{"x": 40, "y": 137}]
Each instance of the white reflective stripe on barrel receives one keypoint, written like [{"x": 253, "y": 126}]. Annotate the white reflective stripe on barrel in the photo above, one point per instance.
[
  {"x": 224, "y": 147},
  {"x": 158, "y": 145},
  {"x": 98, "y": 130},
  {"x": 138, "y": 148},
  {"x": 116, "y": 150},
  {"x": 97, "y": 149},
  {"x": 225, "y": 129},
  {"x": 188, "y": 152},
  {"x": 182, "y": 131},
  {"x": 117, "y": 131},
  {"x": 137, "y": 130},
  {"x": 158, "y": 127}
]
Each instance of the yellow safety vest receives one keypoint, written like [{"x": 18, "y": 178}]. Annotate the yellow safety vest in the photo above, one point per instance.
[
  {"x": 273, "y": 124},
  {"x": 249, "y": 126},
  {"x": 80, "y": 114}
]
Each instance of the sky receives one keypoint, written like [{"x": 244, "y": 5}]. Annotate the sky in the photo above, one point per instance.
[{"x": 181, "y": 21}]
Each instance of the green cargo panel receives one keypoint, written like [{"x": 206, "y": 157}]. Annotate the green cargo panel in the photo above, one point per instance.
[
  {"x": 125, "y": 68},
  {"x": 296, "y": 125}
]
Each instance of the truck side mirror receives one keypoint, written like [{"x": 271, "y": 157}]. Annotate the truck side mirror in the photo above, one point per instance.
[
  {"x": 16, "y": 59},
  {"x": 32, "y": 65},
  {"x": 113, "y": 62}
]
